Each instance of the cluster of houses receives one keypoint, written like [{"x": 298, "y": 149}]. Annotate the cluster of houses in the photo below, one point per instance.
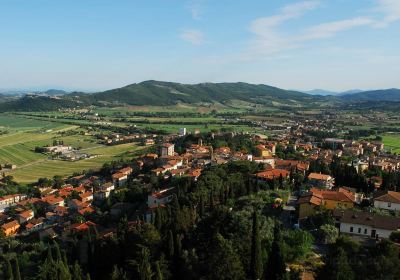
[
  {"x": 57, "y": 211},
  {"x": 116, "y": 138}
]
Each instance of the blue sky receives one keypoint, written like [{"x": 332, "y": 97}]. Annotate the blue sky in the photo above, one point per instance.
[{"x": 101, "y": 44}]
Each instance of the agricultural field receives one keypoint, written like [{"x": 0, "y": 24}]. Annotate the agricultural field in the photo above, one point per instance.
[
  {"x": 49, "y": 168},
  {"x": 392, "y": 141},
  {"x": 17, "y": 147}
]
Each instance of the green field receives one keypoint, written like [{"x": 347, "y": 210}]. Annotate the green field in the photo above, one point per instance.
[
  {"x": 392, "y": 141},
  {"x": 48, "y": 168},
  {"x": 24, "y": 134},
  {"x": 16, "y": 123}
]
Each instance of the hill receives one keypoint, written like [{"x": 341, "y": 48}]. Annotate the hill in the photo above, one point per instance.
[
  {"x": 374, "y": 95},
  {"x": 167, "y": 93},
  {"x": 36, "y": 103}
]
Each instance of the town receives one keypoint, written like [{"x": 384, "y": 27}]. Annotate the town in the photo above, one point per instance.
[{"x": 321, "y": 187}]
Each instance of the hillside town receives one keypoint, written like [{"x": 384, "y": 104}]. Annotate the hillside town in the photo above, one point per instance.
[{"x": 61, "y": 207}]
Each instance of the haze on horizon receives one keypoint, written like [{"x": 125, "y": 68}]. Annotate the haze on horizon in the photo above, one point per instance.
[{"x": 96, "y": 45}]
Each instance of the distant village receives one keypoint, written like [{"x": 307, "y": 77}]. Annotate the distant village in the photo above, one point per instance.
[{"x": 60, "y": 211}]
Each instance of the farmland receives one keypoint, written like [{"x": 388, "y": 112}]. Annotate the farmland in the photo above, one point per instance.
[
  {"x": 392, "y": 141},
  {"x": 48, "y": 168},
  {"x": 22, "y": 134}
]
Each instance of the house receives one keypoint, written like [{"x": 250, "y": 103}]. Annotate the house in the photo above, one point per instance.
[
  {"x": 25, "y": 216},
  {"x": 53, "y": 201},
  {"x": 388, "y": 201},
  {"x": 160, "y": 197},
  {"x": 10, "y": 228},
  {"x": 329, "y": 199},
  {"x": 167, "y": 149},
  {"x": 267, "y": 175},
  {"x": 86, "y": 197},
  {"x": 321, "y": 180},
  {"x": 262, "y": 151},
  {"x": 35, "y": 225},
  {"x": 366, "y": 223},
  {"x": 119, "y": 179}
]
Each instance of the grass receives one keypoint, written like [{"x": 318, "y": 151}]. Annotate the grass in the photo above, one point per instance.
[
  {"x": 392, "y": 141},
  {"x": 49, "y": 168},
  {"x": 16, "y": 123}
]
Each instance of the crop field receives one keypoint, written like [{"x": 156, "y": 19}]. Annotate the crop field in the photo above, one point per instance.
[
  {"x": 392, "y": 141},
  {"x": 48, "y": 168},
  {"x": 15, "y": 123}
]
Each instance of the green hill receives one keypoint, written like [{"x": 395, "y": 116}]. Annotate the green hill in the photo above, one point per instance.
[
  {"x": 158, "y": 93},
  {"x": 166, "y": 93}
]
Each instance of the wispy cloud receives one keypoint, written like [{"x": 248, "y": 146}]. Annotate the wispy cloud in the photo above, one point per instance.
[
  {"x": 391, "y": 11},
  {"x": 196, "y": 8},
  {"x": 193, "y": 36},
  {"x": 269, "y": 40}
]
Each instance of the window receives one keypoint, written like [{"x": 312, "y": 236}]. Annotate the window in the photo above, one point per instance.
[
  {"x": 365, "y": 231},
  {"x": 359, "y": 230},
  {"x": 389, "y": 204},
  {"x": 351, "y": 229}
]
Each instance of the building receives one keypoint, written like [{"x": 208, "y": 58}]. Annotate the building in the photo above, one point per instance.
[
  {"x": 25, "y": 216},
  {"x": 366, "y": 223},
  {"x": 388, "y": 201},
  {"x": 161, "y": 197},
  {"x": 328, "y": 199},
  {"x": 267, "y": 175},
  {"x": 10, "y": 228},
  {"x": 321, "y": 180},
  {"x": 119, "y": 179},
  {"x": 167, "y": 149},
  {"x": 182, "y": 131}
]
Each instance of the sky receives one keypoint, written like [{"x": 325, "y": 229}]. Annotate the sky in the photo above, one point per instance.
[{"x": 95, "y": 45}]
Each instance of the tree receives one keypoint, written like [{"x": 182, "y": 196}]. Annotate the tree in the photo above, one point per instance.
[
  {"x": 17, "y": 273},
  {"x": 145, "y": 272},
  {"x": 8, "y": 272},
  {"x": 223, "y": 261},
  {"x": 76, "y": 271},
  {"x": 329, "y": 233},
  {"x": 337, "y": 267},
  {"x": 276, "y": 267},
  {"x": 171, "y": 245},
  {"x": 158, "y": 275},
  {"x": 255, "y": 263},
  {"x": 118, "y": 274}
]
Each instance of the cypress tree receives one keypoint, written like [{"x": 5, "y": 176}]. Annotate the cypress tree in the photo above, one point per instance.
[
  {"x": 276, "y": 267},
  {"x": 158, "y": 219},
  {"x": 255, "y": 262},
  {"x": 145, "y": 272},
  {"x": 171, "y": 246},
  {"x": 158, "y": 274},
  {"x": 58, "y": 256},
  {"x": 76, "y": 272},
  {"x": 8, "y": 273},
  {"x": 17, "y": 273},
  {"x": 201, "y": 208}
]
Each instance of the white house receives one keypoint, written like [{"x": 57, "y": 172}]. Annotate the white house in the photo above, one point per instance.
[
  {"x": 366, "y": 223},
  {"x": 388, "y": 201},
  {"x": 161, "y": 197}
]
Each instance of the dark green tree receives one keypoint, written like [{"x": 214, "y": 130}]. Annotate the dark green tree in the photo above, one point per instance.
[{"x": 255, "y": 262}]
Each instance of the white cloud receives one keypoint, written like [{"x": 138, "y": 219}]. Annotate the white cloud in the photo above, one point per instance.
[
  {"x": 196, "y": 8},
  {"x": 193, "y": 36},
  {"x": 329, "y": 29},
  {"x": 391, "y": 11}
]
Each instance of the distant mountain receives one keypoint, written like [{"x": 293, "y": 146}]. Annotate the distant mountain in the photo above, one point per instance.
[
  {"x": 159, "y": 93},
  {"x": 36, "y": 103},
  {"x": 374, "y": 95},
  {"x": 54, "y": 92},
  {"x": 167, "y": 93},
  {"x": 321, "y": 92},
  {"x": 324, "y": 92}
]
